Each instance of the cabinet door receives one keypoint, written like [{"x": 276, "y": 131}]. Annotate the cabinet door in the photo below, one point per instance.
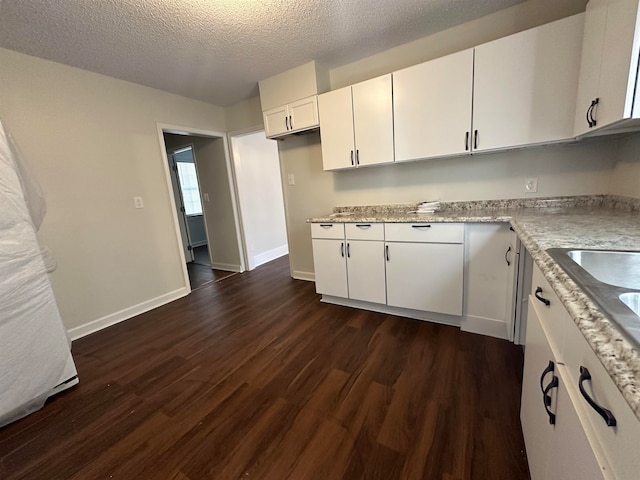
[
  {"x": 365, "y": 271},
  {"x": 303, "y": 114},
  {"x": 619, "y": 68},
  {"x": 276, "y": 121},
  {"x": 490, "y": 278},
  {"x": 571, "y": 455},
  {"x": 524, "y": 86},
  {"x": 536, "y": 428},
  {"x": 373, "y": 121},
  {"x": 432, "y": 108},
  {"x": 336, "y": 129},
  {"x": 425, "y": 276},
  {"x": 329, "y": 261},
  {"x": 591, "y": 61}
]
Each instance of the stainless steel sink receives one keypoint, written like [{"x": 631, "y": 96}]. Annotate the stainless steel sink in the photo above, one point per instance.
[
  {"x": 621, "y": 269},
  {"x": 611, "y": 279}
]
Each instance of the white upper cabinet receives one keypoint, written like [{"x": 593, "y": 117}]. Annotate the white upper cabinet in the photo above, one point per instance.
[
  {"x": 291, "y": 118},
  {"x": 432, "y": 108},
  {"x": 608, "y": 72},
  {"x": 356, "y": 125},
  {"x": 525, "y": 84}
]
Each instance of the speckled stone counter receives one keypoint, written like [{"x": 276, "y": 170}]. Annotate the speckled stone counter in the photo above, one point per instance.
[{"x": 599, "y": 222}]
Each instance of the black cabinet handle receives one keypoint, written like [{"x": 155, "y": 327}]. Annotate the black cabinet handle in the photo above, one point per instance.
[
  {"x": 352, "y": 162},
  {"x": 357, "y": 157},
  {"x": 475, "y": 139},
  {"x": 466, "y": 141},
  {"x": 546, "y": 399},
  {"x": 607, "y": 416},
  {"x": 363, "y": 225},
  {"x": 286, "y": 122},
  {"x": 386, "y": 252},
  {"x": 506, "y": 256},
  {"x": 591, "y": 110},
  {"x": 540, "y": 297},
  {"x": 326, "y": 225},
  {"x": 587, "y": 114},
  {"x": 420, "y": 226},
  {"x": 342, "y": 249},
  {"x": 291, "y": 122},
  {"x": 348, "y": 250},
  {"x": 550, "y": 368}
]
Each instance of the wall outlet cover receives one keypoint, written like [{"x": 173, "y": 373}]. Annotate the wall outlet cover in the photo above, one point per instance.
[{"x": 531, "y": 185}]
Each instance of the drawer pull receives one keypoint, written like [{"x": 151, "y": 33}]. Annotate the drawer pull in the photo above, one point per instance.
[
  {"x": 546, "y": 398},
  {"x": 326, "y": 225},
  {"x": 420, "y": 226},
  {"x": 363, "y": 225},
  {"x": 540, "y": 297},
  {"x": 607, "y": 416}
]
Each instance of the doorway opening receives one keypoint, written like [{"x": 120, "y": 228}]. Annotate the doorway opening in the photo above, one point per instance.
[
  {"x": 256, "y": 165},
  {"x": 199, "y": 179}
]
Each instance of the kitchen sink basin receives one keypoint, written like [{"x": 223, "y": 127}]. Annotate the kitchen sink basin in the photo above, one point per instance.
[
  {"x": 621, "y": 269},
  {"x": 611, "y": 279},
  {"x": 632, "y": 300}
]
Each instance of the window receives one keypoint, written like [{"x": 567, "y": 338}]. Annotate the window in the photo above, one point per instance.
[{"x": 189, "y": 187}]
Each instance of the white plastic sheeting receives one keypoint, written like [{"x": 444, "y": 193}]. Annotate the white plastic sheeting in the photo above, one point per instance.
[{"x": 34, "y": 351}]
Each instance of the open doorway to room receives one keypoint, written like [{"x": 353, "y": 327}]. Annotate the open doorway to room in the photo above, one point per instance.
[
  {"x": 207, "y": 222},
  {"x": 259, "y": 186}
]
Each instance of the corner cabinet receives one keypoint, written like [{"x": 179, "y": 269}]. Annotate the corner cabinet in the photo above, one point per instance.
[
  {"x": 524, "y": 86},
  {"x": 356, "y": 125},
  {"x": 609, "y": 66},
  {"x": 432, "y": 108},
  {"x": 291, "y": 118}
]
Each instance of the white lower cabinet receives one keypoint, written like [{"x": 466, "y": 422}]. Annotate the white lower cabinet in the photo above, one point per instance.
[
  {"x": 349, "y": 261},
  {"x": 491, "y": 258},
  {"x": 560, "y": 442},
  {"x": 329, "y": 261},
  {"x": 425, "y": 266}
]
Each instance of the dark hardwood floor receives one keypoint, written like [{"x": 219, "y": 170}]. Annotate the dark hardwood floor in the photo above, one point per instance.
[
  {"x": 200, "y": 275},
  {"x": 253, "y": 378}
]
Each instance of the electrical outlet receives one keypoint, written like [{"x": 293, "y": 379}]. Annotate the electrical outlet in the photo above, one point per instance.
[
  {"x": 291, "y": 179},
  {"x": 531, "y": 185},
  {"x": 137, "y": 202}
]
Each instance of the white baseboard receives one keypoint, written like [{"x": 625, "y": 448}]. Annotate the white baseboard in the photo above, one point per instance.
[
  {"x": 227, "y": 267},
  {"x": 484, "y": 326},
  {"x": 269, "y": 255},
  {"x": 126, "y": 314},
  {"x": 451, "y": 320},
  {"x": 307, "y": 276}
]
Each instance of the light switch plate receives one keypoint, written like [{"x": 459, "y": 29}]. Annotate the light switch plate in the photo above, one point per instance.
[
  {"x": 531, "y": 185},
  {"x": 137, "y": 202},
  {"x": 291, "y": 179}
]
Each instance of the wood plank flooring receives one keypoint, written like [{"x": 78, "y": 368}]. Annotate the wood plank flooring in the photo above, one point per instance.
[{"x": 253, "y": 378}]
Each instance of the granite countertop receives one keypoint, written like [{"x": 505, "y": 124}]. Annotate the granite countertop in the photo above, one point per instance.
[{"x": 598, "y": 222}]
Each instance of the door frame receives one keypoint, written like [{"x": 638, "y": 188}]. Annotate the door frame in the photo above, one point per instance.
[{"x": 163, "y": 128}]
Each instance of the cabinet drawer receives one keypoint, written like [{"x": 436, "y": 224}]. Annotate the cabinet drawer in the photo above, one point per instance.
[
  {"x": 424, "y": 232},
  {"x": 327, "y": 230},
  {"x": 554, "y": 317},
  {"x": 619, "y": 443},
  {"x": 364, "y": 231}
]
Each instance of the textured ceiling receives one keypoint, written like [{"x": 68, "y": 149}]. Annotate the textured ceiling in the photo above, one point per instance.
[{"x": 217, "y": 50}]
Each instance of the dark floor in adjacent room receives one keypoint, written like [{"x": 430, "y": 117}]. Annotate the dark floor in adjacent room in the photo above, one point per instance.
[
  {"x": 253, "y": 378},
  {"x": 200, "y": 271}
]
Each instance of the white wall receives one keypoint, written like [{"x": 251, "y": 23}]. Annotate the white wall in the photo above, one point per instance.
[
  {"x": 257, "y": 169},
  {"x": 93, "y": 143},
  {"x": 626, "y": 175}
]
